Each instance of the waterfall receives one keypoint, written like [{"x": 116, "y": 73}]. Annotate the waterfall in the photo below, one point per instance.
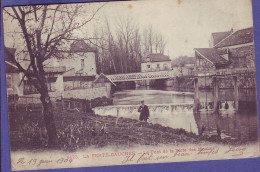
[{"x": 170, "y": 115}]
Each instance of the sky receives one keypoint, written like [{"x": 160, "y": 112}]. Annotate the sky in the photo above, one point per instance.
[{"x": 186, "y": 24}]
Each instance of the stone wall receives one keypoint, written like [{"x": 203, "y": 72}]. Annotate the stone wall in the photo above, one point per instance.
[
  {"x": 242, "y": 57},
  {"x": 89, "y": 94}
]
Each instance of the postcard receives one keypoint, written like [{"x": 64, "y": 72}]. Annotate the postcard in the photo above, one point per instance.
[{"x": 130, "y": 82}]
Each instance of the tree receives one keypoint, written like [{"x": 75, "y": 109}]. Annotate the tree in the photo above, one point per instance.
[
  {"x": 153, "y": 42},
  {"x": 44, "y": 29},
  {"x": 125, "y": 31}
]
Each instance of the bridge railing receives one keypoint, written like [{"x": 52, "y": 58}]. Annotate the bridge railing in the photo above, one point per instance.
[
  {"x": 223, "y": 72},
  {"x": 143, "y": 75}
]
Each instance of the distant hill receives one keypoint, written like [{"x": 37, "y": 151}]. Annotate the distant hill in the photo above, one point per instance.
[{"x": 182, "y": 60}]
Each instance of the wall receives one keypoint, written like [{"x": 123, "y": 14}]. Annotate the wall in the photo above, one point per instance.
[
  {"x": 89, "y": 94},
  {"x": 73, "y": 60},
  {"x": 70, "y": 85},
  {"x": 12, "y": 82},
  {"x": 242, "y": 57},
  {"x": 202, "y": 64},
  {"x": 153, "y": 66}
]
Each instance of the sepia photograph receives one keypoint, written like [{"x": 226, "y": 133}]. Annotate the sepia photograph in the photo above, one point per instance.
[{"x": 130, "y": 82}]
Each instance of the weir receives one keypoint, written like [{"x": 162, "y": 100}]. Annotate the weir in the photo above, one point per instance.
[
  {"x": 168, "y": 115},
  {"x": 130, "y": 111},
  {"x": 126, "y": 110},
  {"x": 179, "y": 115}
]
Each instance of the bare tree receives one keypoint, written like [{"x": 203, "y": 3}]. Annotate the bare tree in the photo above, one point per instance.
[
  {"x": 153, "y": 42},
  {"x": 44, "y": 30},
  {"x": 126, "y": 28}
]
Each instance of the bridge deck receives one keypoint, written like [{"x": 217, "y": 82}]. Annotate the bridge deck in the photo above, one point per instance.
[
  {"x": 144, "y": 75},
  {"x": 176, "y": 73}
]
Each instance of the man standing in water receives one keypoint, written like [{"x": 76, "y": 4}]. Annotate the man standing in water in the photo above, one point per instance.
[{"x": 144, "y": 112}]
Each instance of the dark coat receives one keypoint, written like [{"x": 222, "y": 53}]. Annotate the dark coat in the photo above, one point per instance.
[{"x": 144, "y": 112}]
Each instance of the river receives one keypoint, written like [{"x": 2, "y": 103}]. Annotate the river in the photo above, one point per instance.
[{"x": 242, "y": 125}]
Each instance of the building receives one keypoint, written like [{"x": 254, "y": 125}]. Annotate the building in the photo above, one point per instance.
[
  {"x": 70, "y": 73},
  {"x": 228, "y": 52},
  {"x": 156, "y": 62},
  {"x": 80, "y": 60},
  {"x": 13, "y": 75},
  {"x": 231, "y": 49}
]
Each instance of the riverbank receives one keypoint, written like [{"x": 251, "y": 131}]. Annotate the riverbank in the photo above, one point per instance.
[{"x": 80, "y": 130}]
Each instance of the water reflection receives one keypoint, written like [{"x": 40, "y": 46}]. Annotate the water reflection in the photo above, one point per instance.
[
  {"x": 151, "y": 96},
  {"x": 241, "y": 125}
]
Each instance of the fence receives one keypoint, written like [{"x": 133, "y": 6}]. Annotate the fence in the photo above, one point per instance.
[
  {"x": 33, "y": 104},
  {"x": 82, "y": 105}
]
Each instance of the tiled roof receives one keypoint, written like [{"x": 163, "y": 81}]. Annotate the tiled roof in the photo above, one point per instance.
[
  {"x": 242, "y": 36},
  {"x": 219, "y": 36},
  {"x": 80, "y": 46},
  {"x": 60, "y": 69},
  {"x": 212, "y": 55},
  {"x": 79, "y": 71},
  {"x": 158, "y": 57},
  {"x": 10, "y": 67},
  {"x": 103, "y": 78},
  {"x": 9, "y": 54}
]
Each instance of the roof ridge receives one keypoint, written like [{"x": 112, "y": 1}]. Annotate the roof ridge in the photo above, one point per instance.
[
  {"x": 224, "y": 39},
  {"x": 230, "y": 35},
  {"x": 208, "y": 59}
]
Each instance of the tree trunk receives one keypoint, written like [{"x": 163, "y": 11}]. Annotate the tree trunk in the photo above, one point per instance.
[{"x": 49, "y": 121}]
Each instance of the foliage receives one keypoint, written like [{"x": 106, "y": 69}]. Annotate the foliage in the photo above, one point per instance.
[{"x": 182, "y": 60}]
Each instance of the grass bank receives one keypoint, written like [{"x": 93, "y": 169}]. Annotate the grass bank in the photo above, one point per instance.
[{"x": 81, "y": 130}]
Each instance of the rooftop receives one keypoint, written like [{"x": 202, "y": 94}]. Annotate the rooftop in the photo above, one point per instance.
[
  {"x": 10, "y": 66},
  {"x": 80, "y": 46},
  {"x": 242, "y": 36},
  {"x": 212, "y": 55},
  {"x": 158, "y": 57},
  {"x": 219, "y": 36}
]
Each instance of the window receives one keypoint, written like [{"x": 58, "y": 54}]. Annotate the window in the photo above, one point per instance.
[
  {"x": 158, "y": 65},
  {"x": 8, "y": 81},
  {"x": 165, "y": 66},
  {"x": 82, "y": 63},
  {"x": 148, "y": 66}
]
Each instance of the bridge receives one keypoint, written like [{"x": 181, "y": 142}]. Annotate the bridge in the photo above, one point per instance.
[
  {"x": 176, "y": 73},
  {"x": 215, "y": 74},
  {"x": 144, "y": 75}
]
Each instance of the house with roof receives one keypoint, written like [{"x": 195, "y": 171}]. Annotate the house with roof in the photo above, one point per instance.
[
  {"x": 227, "y": 50},
  {"x": 70, "y": 74},
  {"x": 17, "y": 84},
  {"x": 156, "y": 62},
  {"x": 79, "y": 60},
  {"x": 13, "y": 75},
  {"x": 231, "y": 49}
]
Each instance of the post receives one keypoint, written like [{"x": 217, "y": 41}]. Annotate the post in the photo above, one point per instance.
[
  {"x": 26, "y": 107},
  {"x": 215, "y": 93},
  {"x": 196, "y": 95},
  {"x": 33, "y": 107},
  {"x": 62, "y": 103},
  {"x": 236, "y": 93},
  {"x": 117, "y": 115}
]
